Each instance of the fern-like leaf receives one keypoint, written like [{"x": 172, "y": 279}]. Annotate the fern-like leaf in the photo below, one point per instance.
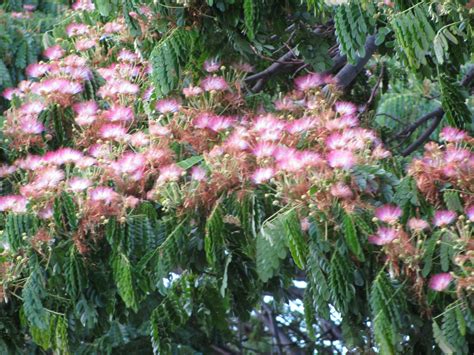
[{"x": 167, "y": 58}]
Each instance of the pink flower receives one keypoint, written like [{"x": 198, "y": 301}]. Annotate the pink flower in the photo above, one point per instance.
[
  {"x": 6, "y": 170},
  {"x": 86, "y": 108},
  {"x": 444, "y": 218},
  {"x": 57, "y": 85},
  {"x": 264, "y": 149},
  {"x": 216, "y": 83},
  {"x": 85, "y": 44},
  {"x": 212, "y": 65},
  {"x": 76, "y": 29},
  {"x": 83, "y": 5},
  {"x": 13, "y": 203},
  {"x": 262, "y": 174},
  {"x": 31, "y": 125},
  {"x": 8, "y": 93},
  {"x": 30, "y": 162},
  {"x": 158, "y": 130},
  {"x": 341, "y": 190},
  {"x": 103, "y": 194},
  {"x": 113, "y": 131},
  {"x": 127, "y": 56},
  {"x": 202, "y": 120},
  {"x": 301, "y": 125},
  {"x": 48, "y": 177},
  {"x": 118, "y": 87},
  {"x": 119, "y": 113},
  {"x": 36, "y": 70},
  {"x": 113, "y": 27},
  {"x": 46, "y": 212},
  {"x": 341, "y": 159},
  {"x": 63, "y": 156},
  {"x": 384, "y": 236},
  {"x": 220, "y": 123},
  {"x": 32, "y": 108},
  {"x": 309, "y": 81},
  {"x": 77, "y": 184},
  {"x": 170, "y": 172},
  {"x": 198, "y": 173},
  {"x": 192, "y": 91},
  {"x": 417, "y": 225},
  {"x": 469, "y": 212},
  {"x": 130, "y": 164},
  {"x": 345, "y": 108},
  {"x": 388, "y": 213},
  {"x": 139, "y": 139},
  {"x": 305, "y": 224},
  {"x": 285, "y": 104},
  {"x": 54, "y": 52},
  {"x": 441, "y": 281},
  {"x": 167, "y": 106},
  {"x": 86, "y": 112},
  {"x": 453, "y": 135}
]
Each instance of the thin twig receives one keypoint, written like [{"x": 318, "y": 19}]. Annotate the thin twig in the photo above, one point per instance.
[{"x": 373, "y": 93}]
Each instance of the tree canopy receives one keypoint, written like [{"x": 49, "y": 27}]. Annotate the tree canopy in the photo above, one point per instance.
[{"x": 236, "y": 177}]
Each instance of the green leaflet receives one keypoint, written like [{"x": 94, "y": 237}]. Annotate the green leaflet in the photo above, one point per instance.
[
  {"x": 75, "y": 273},
  {"x": 452, "y": 328},
  {"x": 172, "y": 313},
  {"x": 65, "y": 213},
  {"x": 441, "y": 339},
  {"x": 169, "y": 54},
  {"x": 429, "y": 247},
  {"x": 122, "y": 272},
  {"x": 249, "y": 18},
  {"x": 387, "y": 306},
  {"x": 214, "y": 235},
  {"x": 452, "y": 201},
  {"x": 19, "y": 226},
  {"x": 350, "y": 235},
  {"x": 353, "y": 24},
  {"x": 453, "y": 102},
  {"x": 271, "y": 246},
  {"x": 132, "y": 24},
  {"x": 318, "y": 268},
  {"x": 33, "y": 293},
  {"x": 341, "y": 281},
  {"x": 414, "y": 34},
  {"x": 296, "y": 240},
  {"x": 190, "y": 162},
  {"x": 5, "y": 79}
]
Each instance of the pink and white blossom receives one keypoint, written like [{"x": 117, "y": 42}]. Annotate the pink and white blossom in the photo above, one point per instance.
[
  {"x": 440, "y": 282},
  {"x": 444, "y": 218},
  {"x": 388, "y": 213}
]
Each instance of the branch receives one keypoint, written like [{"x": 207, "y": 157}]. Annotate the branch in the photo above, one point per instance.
[
  {"x": 437, "y": 115},
  {"x": 408, "y": 131},
  {"x": 219, "y": 349},
  {"x": 421, "y": 139},
  {"x": 282, "y": 339},
  {"x": 279, "y": 65},
  {"x": 373, "y": 92},
  {"x": 349, "y": 72}
]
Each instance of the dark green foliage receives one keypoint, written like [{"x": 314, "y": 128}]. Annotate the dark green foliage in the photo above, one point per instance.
[
  {"x": 414, "y": 34},
  {"x": 341, "y": 281},
  {"x": 453, "y": 103},
  {"x": 387, "y": 305},
  {"x": 168, "y": 57},
  {"x": 296, "y": 240},
  {"x": 215, "y": 234},
  {"x": 271, "y": 247},
  {"x": 353, "y": 23},
  {"x": 19, "y": 228}
]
